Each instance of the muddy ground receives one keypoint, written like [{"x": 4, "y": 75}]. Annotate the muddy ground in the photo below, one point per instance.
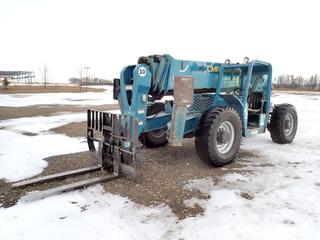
[
  {"x": 12, "y": 89},
  {"x": 165, "y": 170}
]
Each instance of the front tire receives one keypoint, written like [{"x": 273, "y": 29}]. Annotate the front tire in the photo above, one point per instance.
[
  {"x": 218, "y": 136},
  {"x": 157, "y": 137},
  {"x": 283, "y": 123}
]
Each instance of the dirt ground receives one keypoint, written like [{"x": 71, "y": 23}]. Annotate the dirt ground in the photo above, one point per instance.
[
  {"x": 47, "y": 110},
  {"x": 166, "y": 170},
  {"x": 49, "y": 89}
]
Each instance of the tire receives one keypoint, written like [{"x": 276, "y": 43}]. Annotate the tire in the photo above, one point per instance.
[
  {"x": 156, "y": 138},
  {"x": 283, "y": 123},
  {"x": 216, "y": 124}
]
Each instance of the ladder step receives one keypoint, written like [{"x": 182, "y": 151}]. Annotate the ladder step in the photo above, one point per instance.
[
  {"x": 56, "y": 176},
  {"x": 64, "y": 188}
]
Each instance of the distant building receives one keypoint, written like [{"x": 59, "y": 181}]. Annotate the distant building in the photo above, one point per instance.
[{"x": 17, "y": 76}]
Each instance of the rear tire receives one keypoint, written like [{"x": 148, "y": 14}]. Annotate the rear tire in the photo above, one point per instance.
[
  {"x": 283, "y": 123},
  {"x": 218, "y": 136},
  {"x": 157, "y": 137}
]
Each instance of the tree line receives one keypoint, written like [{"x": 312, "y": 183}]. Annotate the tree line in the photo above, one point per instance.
[
  {"x": 297, "y": 82},
  {"x": 287, "y": 81},
  {"x": 89, "y": 81}
]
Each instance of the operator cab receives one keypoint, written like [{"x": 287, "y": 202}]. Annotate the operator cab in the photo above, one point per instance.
[{"x": 249, "y": 87}]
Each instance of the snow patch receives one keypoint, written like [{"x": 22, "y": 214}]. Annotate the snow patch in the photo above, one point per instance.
[
  {"x": 192, "y": 202},
  {"x": 40, "y": 123},
  {"x": 22, "y": 156},
  {"x": 235, "y": 177},
  {"x": 203, "y": 185},
  {"x": 87, "y": 98},
  {"x": 87, "y": 214}
]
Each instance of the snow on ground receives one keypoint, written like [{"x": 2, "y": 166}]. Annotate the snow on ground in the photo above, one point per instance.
[
  {"x": 30, "y": 134},
  {"x": 86, "y": 98},
  {"x": 89, "y": 214},
  {"x": 274, "y": 195},
  {"x": 203, "y": 185},
  {"x": 22, "y": 156},
  {"x": 25, "y": 142},
  {"x": 284, "y": 182},
  {"x": 40, "y": 123}
]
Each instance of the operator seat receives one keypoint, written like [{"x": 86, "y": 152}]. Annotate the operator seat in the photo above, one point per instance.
[{"x": 255, "y": 102}]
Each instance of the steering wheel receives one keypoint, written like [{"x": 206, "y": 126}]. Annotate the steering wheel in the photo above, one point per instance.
[{"x": 237, "y": 91}]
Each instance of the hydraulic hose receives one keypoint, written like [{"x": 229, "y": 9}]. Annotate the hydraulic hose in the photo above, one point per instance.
[{"x": 159, "y": 67}]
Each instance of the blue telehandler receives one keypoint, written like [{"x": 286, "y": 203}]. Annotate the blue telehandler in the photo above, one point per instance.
[
  {"x": 164, "y": 100},
  {"x": 216, "y": 103}
]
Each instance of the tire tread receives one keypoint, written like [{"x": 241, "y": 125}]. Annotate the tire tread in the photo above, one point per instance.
[{"x": 203, "y": 134}]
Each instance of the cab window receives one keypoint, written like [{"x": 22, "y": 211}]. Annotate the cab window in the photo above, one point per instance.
[{"x": 231, "y": 80}]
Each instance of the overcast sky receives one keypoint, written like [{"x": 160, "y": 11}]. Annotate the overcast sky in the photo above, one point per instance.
[{"x": 107, "y": 35}]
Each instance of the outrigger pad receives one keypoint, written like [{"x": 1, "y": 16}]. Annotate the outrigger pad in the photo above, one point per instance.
[{"x": 117, "y": 137}]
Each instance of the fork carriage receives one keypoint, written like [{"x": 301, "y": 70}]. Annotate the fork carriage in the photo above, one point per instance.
[{"x": 117, "y": 143}]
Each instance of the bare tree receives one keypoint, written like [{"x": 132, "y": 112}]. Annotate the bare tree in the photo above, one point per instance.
[
  {"x": 87, "y": 76},
  {"x": 44, "y": 70},
  {"x": 81, "y": 73},
  {"x": 5, "y": 83},
  {"x": 297, "y": 82},
  {"x": 313, "y": 81}
]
